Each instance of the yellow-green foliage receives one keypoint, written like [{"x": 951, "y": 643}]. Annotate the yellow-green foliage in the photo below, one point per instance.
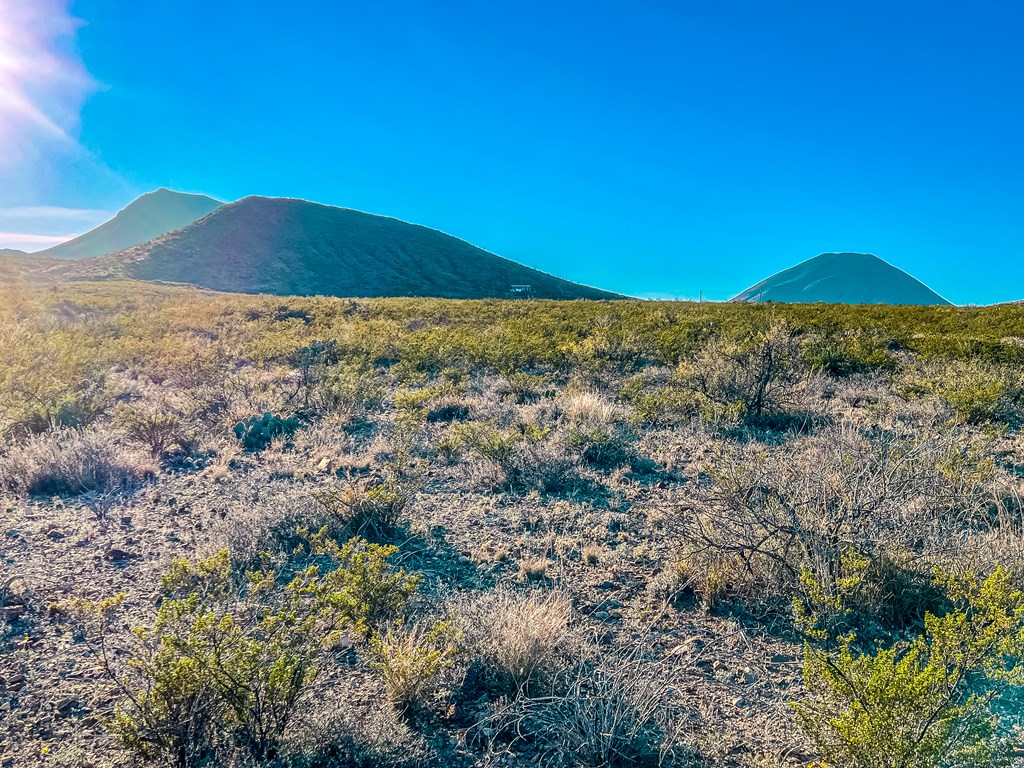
[
  {"x": 59, "y": 347},
  {"x": 52, "y": 341},
  {"x": 929, "y": 702},
  {"x": 978, "y": 393},
  {"x": 225, "y": 662}
]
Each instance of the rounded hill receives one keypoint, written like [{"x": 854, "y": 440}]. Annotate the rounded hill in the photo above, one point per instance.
[
  {"x": 843, "y": 278},
  {"x": 295, "y": 247}
]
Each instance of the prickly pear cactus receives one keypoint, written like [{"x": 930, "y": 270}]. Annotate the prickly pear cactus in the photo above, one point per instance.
[{"x": 256, "y": 432}]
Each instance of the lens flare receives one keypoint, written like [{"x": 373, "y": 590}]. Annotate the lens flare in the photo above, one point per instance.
[{"x": 42, "y": 81}]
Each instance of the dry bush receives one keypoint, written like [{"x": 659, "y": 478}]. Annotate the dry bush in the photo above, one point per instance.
[
  {"x": 69, "y": 462},
  {"x": 524, "y": 457},
  {"x": 357, "y": 726},
  {"x": 879, "y": 508},
  {"x": 521, "y": 639},
  {"x": 758, "y": 380},
  {"x": 153, "y": 425},
  {"x": 370, "y": 507}
]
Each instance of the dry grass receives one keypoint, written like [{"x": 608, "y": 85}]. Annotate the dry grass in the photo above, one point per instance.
[
  {"x": 70, "y": 462},
  {"x": 613, "y": 712},
  {"x": 522, "y": 639}
]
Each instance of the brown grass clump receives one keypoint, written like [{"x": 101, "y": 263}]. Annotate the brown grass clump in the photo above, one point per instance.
[{"x": 521, "y": 639}]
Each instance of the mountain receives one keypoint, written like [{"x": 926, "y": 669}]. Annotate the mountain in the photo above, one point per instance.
[
  {"x": 149, "y": 216},
  {"x": 10, "y": 252},
  {"x": 842, "y": 278},
  {"x": 294, "y": 247}
]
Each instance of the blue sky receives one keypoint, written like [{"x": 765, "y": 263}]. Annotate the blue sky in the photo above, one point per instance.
[{"x": 653, "y": 148}]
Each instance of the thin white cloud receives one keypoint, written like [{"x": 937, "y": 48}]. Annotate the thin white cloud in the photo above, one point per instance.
[
  {"x": 51, "y": 212},
  {"x": 29, "y": 239}
]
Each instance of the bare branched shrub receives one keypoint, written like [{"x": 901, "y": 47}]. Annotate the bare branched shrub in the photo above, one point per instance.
[
  {"x": 521, "y": 639},
  {"x": 155, "y": 427},
  {"x": 68, "y": 462},
  {"x": 887, "y": 505},
  {"x": 756, "y": 379}
]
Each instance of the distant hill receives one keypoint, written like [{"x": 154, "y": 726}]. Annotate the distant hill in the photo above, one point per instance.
[
  {"x": 842, "y": 278},
  {"x": 151, "y": 215},
  {"x": 18, "y": 266},
  {"x": 294, "y": 247}
]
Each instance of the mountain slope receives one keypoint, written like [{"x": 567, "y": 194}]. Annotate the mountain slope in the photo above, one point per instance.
[
  {"x": 11, "y": 252},
  {"x": 842, "y": 278},
  {"x": 294, "y": 247},
  {"x": 149, "y": 216}
]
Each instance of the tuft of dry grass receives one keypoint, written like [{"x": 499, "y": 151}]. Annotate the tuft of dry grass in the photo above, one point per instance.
[
  {"x": 522, "y": 639},
  {"x": 612, "y": 711},
  {"x": 589, "y": 407},
  {"x": 70, "y": 462},
  {"x": 411, "y": 660}
]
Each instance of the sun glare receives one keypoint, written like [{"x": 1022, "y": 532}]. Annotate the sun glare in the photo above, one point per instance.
[{"x": 40, "y": 86}]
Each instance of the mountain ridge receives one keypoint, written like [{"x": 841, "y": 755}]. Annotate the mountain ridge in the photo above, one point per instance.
[
  {"x": 288, "y": 246},
  {"x": 145, "y": 218}
]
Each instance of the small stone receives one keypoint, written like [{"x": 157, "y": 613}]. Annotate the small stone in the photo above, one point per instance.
[
  {"x": 15, "y": 682},
  {"x": 117, "y": 555}
]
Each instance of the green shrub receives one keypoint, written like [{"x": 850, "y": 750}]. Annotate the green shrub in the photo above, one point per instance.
[
  {"x": 978, "y": 393},
  {"x": 346, "y": 387},
  {"x": 930, "y": 702},
  {"x": 659, "y": 403},
  {"x": 222, "y": 669},
  {"x": 257, "y": 432},
  {"x": 846, "y": 353}
]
